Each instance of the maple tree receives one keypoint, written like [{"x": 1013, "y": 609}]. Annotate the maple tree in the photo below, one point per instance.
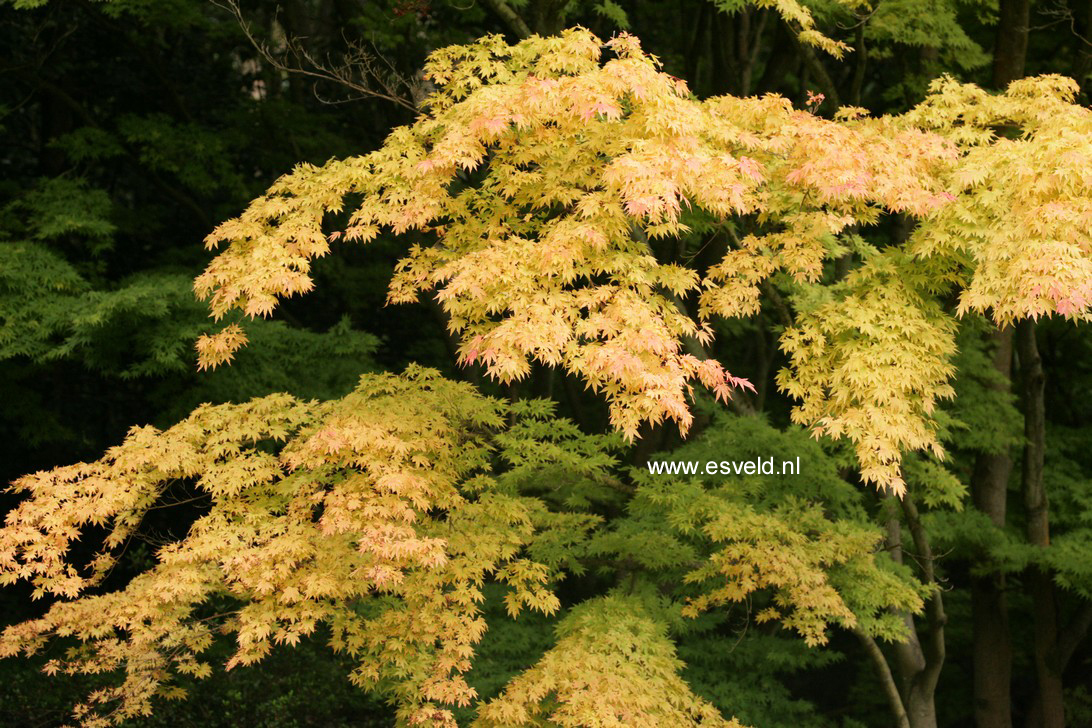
[
  {"x": 546, "y": 257},
  {"x": 546, "y": 189}
]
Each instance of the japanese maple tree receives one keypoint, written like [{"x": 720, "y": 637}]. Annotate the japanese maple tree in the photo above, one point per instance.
[{"x": 543, "y": 183}]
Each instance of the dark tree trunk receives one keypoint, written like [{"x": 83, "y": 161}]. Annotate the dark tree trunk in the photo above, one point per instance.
[
  {"x": 921, "y": 706},
  {"x": 56, "y": 121},
  {"x": 919, "y": 660},
  {"x": 1082, "y": 59},
  {"x": 749, "y": 39},
  {"x": 725, "y": 73},
  {"x": 1011, "y": 44},
  {"x": 783, "y": 59},
  {"x": 1048, "y": 710},
  {"x": 992, "y": 657},
  {"x": 992, "y": 641},
  {"x": 992, "y": 647},
  {"x": 546, "y": 16},
  {"x": 694, "y": 45}
]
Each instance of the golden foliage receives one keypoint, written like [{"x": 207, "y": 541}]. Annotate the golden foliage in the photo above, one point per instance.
[
  {"x": 540, "y": 177},
  {"x": 1023, "y": 206},
  {"x": 612, "y": 666},
  {"x": 871, "y": 366},
  {"x": 375, "y": 514}
]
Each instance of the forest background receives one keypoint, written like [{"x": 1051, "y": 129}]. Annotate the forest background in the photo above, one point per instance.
[{"x": 132, "y": 128}]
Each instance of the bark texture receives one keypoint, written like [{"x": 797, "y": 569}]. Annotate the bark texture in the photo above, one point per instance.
[
  {"x": 992, "y": 644},
  {"x": 1048, "y": 708}
]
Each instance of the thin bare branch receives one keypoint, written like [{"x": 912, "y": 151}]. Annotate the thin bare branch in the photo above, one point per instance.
[{"x": 367, "y": 73}]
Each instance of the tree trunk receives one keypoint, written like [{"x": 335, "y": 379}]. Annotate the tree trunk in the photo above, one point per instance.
[
  {"x": 992, "y": 660},
  {"x": 887, "y": 680},
  {"x": 917, "y": 663},
  {"x": 782, "y": 60},
  {"x": 1011, "y": 44},
  {"x": 921, "y": 707},
  {"x": 1048, "y": 710},
  {"x": 546, "y": 16},
  {"x": 696, "y": 45},
  {"x": 992, "y": 643},
  {"x": 723, "y": 44},
  {"x": 1082, "y": 62}
]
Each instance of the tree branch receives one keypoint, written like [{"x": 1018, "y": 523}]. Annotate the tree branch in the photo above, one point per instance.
[
  {"x": 883, "y": 670},
  {"x": 510, "y": 17},
  {"x": 818, "y": 70},
  {"x": 1071, "y": 636},
  {"x": 358, "y": 71},
  {"x": 934, "y": 656}
]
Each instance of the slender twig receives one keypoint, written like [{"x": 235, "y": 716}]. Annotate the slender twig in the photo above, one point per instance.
[{"x": 359, "y": 71}]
